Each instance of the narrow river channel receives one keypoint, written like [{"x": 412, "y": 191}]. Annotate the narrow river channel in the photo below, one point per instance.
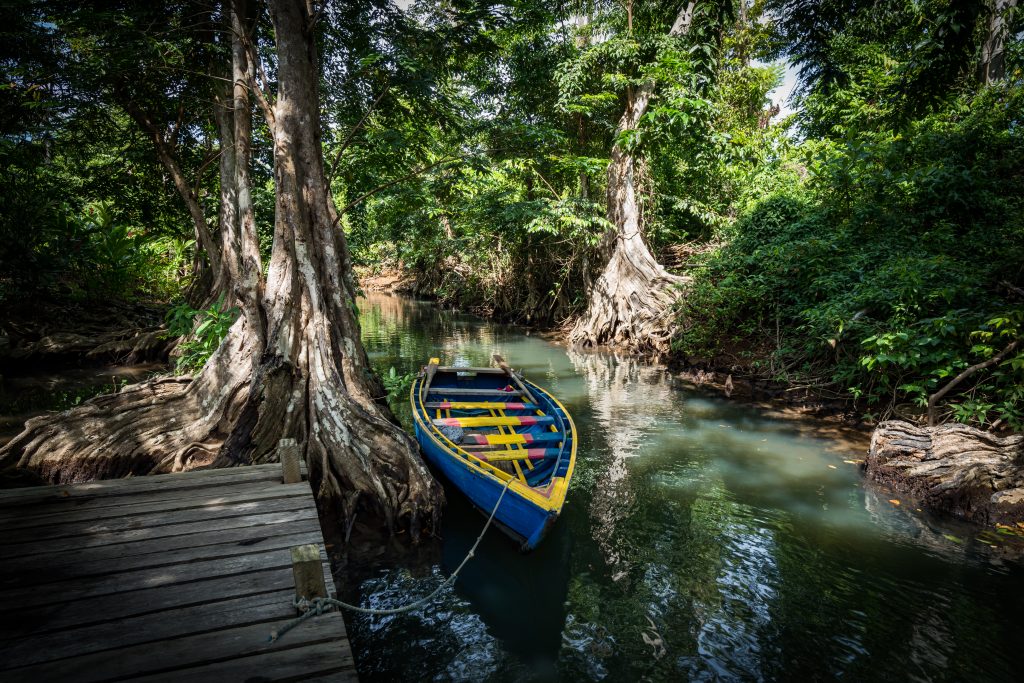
[{"x": 702, "y": 540}]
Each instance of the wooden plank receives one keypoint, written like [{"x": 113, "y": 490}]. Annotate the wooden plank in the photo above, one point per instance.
[
  {"x": 147, "y": 628},
  {"x": 49, "y": 513},
  {"x": 511, "y": 421},
  {"x": 94, "y": 611},
  {"x": 479, "y": 405},
  {"x": 331, "y": 661},
  {"x": 45, "y": 573},
  {"x": 55, "y": 617},
  {"x": 521, "y": 454},
  {"x": 133, "y": 486},
  {"x": 500, "y": 439},
  {"x": 478, "y": 371},
  {"x": 123, "y": 552},
  {"x": 190, "y": 651},
  {"x": 471, "y": 392},
  {"x": 155, "y": 519},
  {"x": 190, "y": 529},
  {"x": 22, "y": 597}
]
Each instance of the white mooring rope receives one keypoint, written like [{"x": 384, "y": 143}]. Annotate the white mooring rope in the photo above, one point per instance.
[{"x": 317, "y": 606}]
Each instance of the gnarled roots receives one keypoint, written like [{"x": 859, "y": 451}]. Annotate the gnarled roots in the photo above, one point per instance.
[
  {"x": 355, "y": 455},
  {"x": 632, "y": 303}
]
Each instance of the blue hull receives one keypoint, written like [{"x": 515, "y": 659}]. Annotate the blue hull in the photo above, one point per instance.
[
  {"x": 533, "y": 501},
  {"x": 521, "y": 519}
]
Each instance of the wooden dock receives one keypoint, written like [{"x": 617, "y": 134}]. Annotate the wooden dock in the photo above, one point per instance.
[{"x": 178, "y": 577}]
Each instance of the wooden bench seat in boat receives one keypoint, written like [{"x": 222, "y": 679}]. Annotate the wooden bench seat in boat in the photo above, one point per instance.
[
  {"x": 479, "y": 405},
  {"x": 448, "y": 391},
  {"x": 498, "y": 439},
  {"x": 495, "y": 421}
]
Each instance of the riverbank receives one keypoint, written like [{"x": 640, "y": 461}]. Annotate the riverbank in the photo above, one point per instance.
[{"x": 818, "y": 410}]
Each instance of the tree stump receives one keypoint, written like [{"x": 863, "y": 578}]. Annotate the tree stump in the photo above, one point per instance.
[{"x": 967, "y": 472}]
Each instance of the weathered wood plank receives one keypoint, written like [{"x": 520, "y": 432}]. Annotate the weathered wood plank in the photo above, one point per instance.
[
  {"x": 147, "y": 628},
  {"x": 152, "y": 520},
  {"x": 330, "y": 661},
  {"x": 95, "y": 611},
  {"x": 183, "y": 579},
  {"x": 39, "y": 574},
  {"x": 132, "y": 486},
  {"x": 118, "y": 552},
  {"x": 50, "y": 618},
  {"x": 188, "y": 651},
  {"x": 479, "y": 371},
  {"x": 14, "y": 600},
  {"x": 55, "y": 513},
  {"x": 189, "y": 529},
  {"x": 472, "y": 392}
]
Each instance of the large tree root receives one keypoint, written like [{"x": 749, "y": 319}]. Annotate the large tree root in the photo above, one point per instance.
[
  {"x": 954, "y": 468},
  {"x": 162, "y": 425},
  {"x": 356, "y": 457},
  {"x": 632, "y": 303}
]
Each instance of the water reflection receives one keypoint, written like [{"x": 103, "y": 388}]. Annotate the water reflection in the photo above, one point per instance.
[{"x": 701, "y": 541}]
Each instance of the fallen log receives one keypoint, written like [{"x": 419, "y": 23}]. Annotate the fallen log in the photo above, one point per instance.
[{"x": 967, "y": 472}]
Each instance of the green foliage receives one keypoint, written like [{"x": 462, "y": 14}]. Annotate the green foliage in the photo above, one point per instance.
[
  {"x": 398, "y": 385},
  {"x": 201, "y": 332},
  {"x": 888, "y": 271}
]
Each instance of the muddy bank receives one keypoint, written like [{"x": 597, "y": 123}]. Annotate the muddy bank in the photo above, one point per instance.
[
  {"x": 386, "y": 280},
  {"x": 47, "y": 335}
]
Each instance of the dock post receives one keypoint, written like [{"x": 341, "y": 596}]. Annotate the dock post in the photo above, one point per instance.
[
  {"x": 308, "y": 571},
  {"x": 288, "y": 452}
]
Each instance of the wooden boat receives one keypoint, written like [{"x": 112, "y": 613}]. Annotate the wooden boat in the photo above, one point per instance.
[{"x": 486, "y": 428}]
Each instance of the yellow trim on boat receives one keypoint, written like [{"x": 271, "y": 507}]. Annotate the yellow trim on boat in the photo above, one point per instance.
[{"x": 553, "y": 497}]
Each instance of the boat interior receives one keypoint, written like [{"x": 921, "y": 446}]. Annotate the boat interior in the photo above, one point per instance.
[{"x": 501, "y": 420}]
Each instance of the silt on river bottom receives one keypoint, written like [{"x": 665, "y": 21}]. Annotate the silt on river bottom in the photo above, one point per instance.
[{"x": 702, "y": 540}]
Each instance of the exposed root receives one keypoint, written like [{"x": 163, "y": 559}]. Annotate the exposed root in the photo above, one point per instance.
[
  {"x": 970, "y": 473},
  {"x": 162, "y": 425},
  {"x": 632, "y": 303},
  {"x": 356, "y": 457}
]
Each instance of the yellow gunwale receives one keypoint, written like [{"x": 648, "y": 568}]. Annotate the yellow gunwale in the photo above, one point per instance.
[{"x": 552, "y": 498}]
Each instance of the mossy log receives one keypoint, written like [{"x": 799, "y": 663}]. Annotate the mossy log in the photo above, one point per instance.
[{"x": 970, "y": 473}]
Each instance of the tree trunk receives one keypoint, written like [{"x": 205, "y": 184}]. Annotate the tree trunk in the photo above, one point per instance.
[
  {"x": 992, "y": 63},
  {"x": 953, "y": 468},
  {"x": 165, "y": 154},
  {"x": 292, "y": 365},
  {"x": 631, "y": 302}
]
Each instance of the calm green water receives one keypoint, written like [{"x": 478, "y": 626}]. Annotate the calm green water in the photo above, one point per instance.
[{"x": 701, "y": 541}]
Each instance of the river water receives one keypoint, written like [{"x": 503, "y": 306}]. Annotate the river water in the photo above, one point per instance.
[{"x": 702, "y": 540}]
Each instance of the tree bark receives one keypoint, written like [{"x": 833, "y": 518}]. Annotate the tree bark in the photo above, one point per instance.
[
  {"x": 631, "y": 302},
  {"x": 992, "y": 63},
  {"x": 292, "y": 366},
  {"x": 953, "y": 468},
  {"x": 165, "y": 153}
]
